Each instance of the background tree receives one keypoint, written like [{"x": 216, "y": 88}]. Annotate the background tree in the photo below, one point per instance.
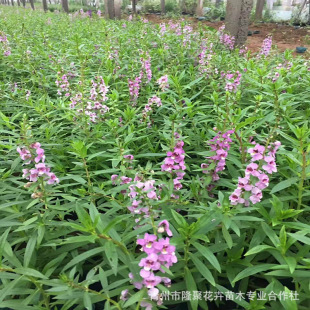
[
  {"x": 237, "y": 19},
  {"x": 163, "y": 6},
  {"x": 199, "y": 9},
  {"x": 110, "y": 9},
  {"x": 45, "y": 8},
  {"x": 259, "y": 9},
  {"x": 134, "y": 9},
  {"x": 31, "y": 4},
  {"x": 65, "y": 6},
  {"x": 118, "y": 8}
]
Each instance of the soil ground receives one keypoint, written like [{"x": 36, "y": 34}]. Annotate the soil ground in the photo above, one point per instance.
[{"x": 284, "y": 36}]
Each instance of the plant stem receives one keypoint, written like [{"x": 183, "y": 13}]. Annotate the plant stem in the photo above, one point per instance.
[{"x": 302, "y": 178}]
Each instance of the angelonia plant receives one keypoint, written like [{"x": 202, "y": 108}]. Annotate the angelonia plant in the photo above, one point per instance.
[{"x": 150, "y": 166}]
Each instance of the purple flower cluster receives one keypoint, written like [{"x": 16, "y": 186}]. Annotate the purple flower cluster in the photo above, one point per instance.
[
  {"x": 266, "y": 47},
  {"x": 220, "y": 144},
  {"x": 250, "y": 187},
  {"x": 175, "y": 27},
  {"x": 146, "y": 66},
  {"x": 204, "y": 58},
  {"x": 174, "y": 163},
  {"x": 282, "y": 68},
  {"x": 232, "y": 80},
  {"x": 5, "y": 44},
  {"x": 226, "y": 39},
  {"x": 163, "y": 82},
  {"x": 121, "y": 180},
  {"x": 243, "y": 50},
  {"x": 134, "y": 88},
  {"x": 148, "y": 107},
  {"x": 187, "y": 35},
  {"x": 95, "y": 109},
  {"x": 141, "y": 193},
  {"x": 163, "y": 29},
  {"x": 62, "y": 84},
  {"x": 28, "y": 93},
  {"x": 113, "y": 54},
  {"x": 159, "y": 253},
  {"x": 35, "y": 155}
]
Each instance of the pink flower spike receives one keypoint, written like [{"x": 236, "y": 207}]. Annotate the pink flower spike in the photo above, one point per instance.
[
  {"x": 163, "y": 226},
  {"x": 114, "y": 178},
  {"x": 52, "y": 179}
]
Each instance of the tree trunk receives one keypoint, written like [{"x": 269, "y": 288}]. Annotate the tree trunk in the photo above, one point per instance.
[
  {"x": 163, "y": 6},
  {"x": 309, "y": 15},
  {"x": 65, "y": 6},
  {"x": 118, "y": 8},
  {"x": 259, "y": 9},
  {"x": 23, "y": 2},
  {"x": 97, "y": 3},
  {"x": 238, "y": 18},
  {"x": 111, "y": 9},
  {"x": 12, "y": 2},
  {"x": 106, "y": 13},
  {"x": 45, "y": 8},
  {"x": 199, "y": 9},
  {"x": 31, "y": 4},
  {"x": 134, "y": 9},
  {"x": 18, "y": 3}
]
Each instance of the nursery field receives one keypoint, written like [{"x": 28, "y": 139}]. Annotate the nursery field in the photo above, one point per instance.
[{"x": 150, "y": 166}]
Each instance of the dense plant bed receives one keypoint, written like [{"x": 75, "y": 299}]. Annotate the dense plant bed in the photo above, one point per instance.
[{"x": 150, "y": 166}]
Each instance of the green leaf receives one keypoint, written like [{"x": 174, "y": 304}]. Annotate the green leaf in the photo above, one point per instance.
[
  {"x": 29, "y": 249},
  {"x": 83, "y": 257},
  {"x": 8, "y": 288},
  {"x": 191, "y": 287},
  {"x": 292, "y": 263},
  {"x": 30, "y": 272},
  {"x": 202, "y": 269},
  {"x": 247, "y": 272},
  {"x": 114, "y": 222},
  {"x": 87, "y": 301},
  {"x": 271, "y": 234},
  {"x": 284, "y": 184},
  {"x": 111, "y": 253},
  {"x": 179, "y": 219},
  {"x": 135, "y": 298},
  {"x": 288, "y": 303},
  {"x": 227, "y": 237},
  {"x": 300, "y": 238},
  {"x": 258, "y": 249},
  {"x": 80, "y": 239},
  {"x": 208, "y": 255}
]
